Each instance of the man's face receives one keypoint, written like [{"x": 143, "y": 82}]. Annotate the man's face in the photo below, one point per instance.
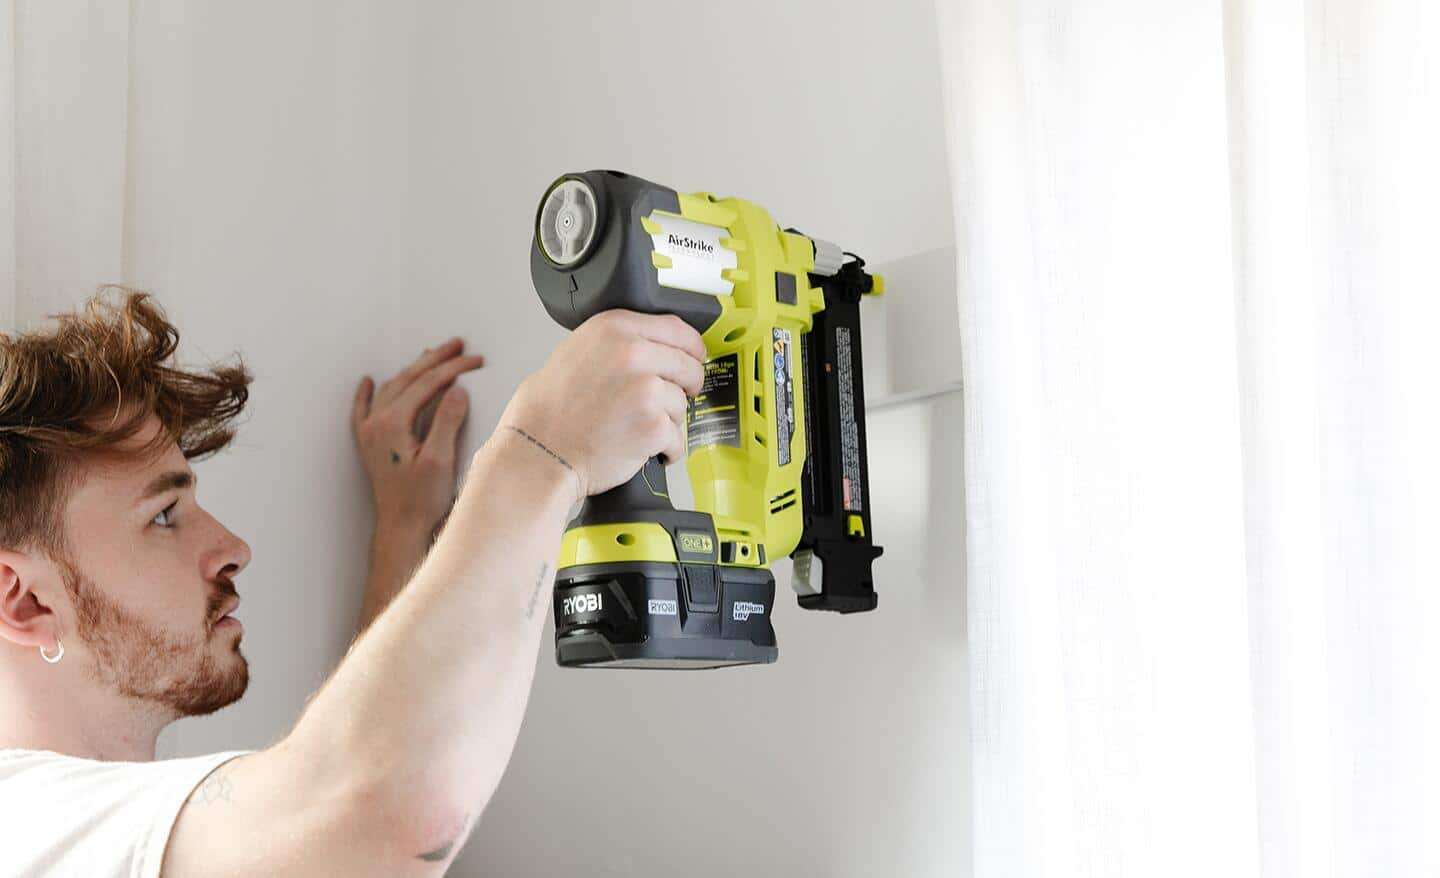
[{"x": 150, "y": 575}]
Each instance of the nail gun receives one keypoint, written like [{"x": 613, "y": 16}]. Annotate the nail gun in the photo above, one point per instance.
[{"x": 776, "y": 450}]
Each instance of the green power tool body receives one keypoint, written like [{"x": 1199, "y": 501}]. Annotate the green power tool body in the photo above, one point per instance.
[{"x": 775, "y": 441}]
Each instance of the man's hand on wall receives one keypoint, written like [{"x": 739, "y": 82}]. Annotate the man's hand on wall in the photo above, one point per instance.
[
  {"x": 412, "y": 469},
  {"x": 411, "y": 465}
]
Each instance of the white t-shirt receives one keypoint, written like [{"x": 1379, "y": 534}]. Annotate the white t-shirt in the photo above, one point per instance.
[{"x": 66, "y": 817}]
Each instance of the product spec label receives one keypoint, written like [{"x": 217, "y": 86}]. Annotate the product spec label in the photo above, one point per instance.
[
  {"x": 784, "y": 394},
  {"x": 743, "y": 610},
  {"x": 713, "y": 417},
  {"x": 852, "y": 485}
]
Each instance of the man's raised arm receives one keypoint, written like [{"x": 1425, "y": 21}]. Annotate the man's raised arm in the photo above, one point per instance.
[{"x": 396, "y": 756}]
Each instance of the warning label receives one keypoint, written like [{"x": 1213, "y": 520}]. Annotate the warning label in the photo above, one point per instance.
[
  {"x": 784, "y": 394},
  {"x": 713, "y": 417},
  {"x": 853, "y": 488},
  {"x": 811, "y": 402}
]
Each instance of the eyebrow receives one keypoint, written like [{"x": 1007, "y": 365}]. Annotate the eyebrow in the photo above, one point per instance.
[{"x": 178, "y": 480}]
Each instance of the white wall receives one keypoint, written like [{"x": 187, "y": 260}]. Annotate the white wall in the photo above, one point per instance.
[
  {"x": 7, "y": 165},
  {"x": 331, "y": 187}
]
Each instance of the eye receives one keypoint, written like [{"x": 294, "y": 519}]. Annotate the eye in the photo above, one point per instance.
[{"x": 162, "y": 518}]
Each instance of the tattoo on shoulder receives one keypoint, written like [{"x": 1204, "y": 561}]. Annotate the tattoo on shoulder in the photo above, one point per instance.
[
  {"x": 215, "y": 788},
  {"x": 535, "y": 595}
]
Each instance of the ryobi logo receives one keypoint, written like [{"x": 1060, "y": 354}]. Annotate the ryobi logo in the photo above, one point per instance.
[
  {"x": 593, "y": 602},
  {"x": 744, "y": 610},
  {"x": 689, "y": 243},
  {"x": 696, "y": 543}
]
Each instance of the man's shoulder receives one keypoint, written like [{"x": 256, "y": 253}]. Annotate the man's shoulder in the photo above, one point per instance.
[
  {"x": 53, "y": 770},
  {"x": 14, "y": 760},
  {"x": 74, "y": 815}
]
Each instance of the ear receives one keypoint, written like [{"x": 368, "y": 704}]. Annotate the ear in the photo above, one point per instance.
[{"x": 25, "y": 619}]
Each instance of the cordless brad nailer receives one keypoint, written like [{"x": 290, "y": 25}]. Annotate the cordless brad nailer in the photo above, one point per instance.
[{"x": 775, "y": 440}]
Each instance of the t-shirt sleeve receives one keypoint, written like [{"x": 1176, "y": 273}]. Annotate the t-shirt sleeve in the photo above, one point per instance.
[{"x": 73, "y": 816}]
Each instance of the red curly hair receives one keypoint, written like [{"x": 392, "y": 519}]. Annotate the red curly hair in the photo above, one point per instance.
[{"x": 88, "y": 384}]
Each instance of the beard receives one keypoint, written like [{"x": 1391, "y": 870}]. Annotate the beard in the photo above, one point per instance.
[{"x": 140, "y": 660}]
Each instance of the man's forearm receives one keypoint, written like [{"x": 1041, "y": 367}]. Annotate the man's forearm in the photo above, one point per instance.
[
  {"x": 429, "y": 700},
  {"x": 396, "y": 550}
]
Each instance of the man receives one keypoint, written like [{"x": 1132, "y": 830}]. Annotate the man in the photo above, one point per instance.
[{"x": 116, "y": 588}]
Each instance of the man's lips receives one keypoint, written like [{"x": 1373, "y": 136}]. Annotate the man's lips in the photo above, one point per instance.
[{"x": 230, "y": 607}]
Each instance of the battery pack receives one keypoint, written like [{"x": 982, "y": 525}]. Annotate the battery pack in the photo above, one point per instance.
[{"x": 659, "y": 615}]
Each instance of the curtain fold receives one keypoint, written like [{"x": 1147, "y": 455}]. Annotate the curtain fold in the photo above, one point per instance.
[{"x": 1197, "y": 289}]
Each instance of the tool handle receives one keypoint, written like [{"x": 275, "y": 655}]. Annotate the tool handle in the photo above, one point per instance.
[{"x": 647, "y": 489}]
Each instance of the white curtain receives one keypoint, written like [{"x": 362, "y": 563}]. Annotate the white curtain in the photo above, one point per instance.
[{"x": 1199, "y": 291}]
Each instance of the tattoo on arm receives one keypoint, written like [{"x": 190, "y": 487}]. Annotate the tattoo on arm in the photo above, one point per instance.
[
  {"x": 543, "y": 447},
  {"x": 535, "y": 595},
  {"x": 436, "y": 855},
  {"x": 441, "y": 853}
]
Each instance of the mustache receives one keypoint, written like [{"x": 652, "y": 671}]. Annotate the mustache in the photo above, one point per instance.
[{"x": 225, "y": 590}]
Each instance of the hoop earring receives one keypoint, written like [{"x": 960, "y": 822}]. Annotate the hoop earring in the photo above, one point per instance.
[{"x": 58, "y": 656}]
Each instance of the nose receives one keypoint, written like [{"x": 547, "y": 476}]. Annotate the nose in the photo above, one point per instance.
[{"x": 229, "y": 556}]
